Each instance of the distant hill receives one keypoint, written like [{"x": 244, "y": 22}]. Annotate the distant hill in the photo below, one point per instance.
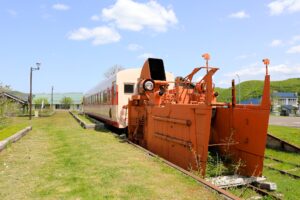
[{"x": 253, "y": 89}]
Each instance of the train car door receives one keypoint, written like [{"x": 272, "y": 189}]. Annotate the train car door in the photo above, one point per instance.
[{"x": 114, "y": 94}]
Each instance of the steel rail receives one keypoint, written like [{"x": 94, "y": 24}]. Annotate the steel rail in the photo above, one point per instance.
[
  {"x": 263, "y": 192},
  {"x": 209, "y": 185},
  {"x": 284, "y": 143},
  {"x": 281, "y": 161},
  {"x": 283, "y": 172}
]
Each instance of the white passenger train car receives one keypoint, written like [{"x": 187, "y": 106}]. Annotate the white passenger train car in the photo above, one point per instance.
[{"x": 108, "y": 100}]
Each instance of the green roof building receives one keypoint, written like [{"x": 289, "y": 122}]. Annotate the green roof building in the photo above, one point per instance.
[{"x": 57, "y": 100}]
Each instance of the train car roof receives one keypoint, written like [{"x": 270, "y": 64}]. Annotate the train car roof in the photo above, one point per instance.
[{"x": 106, "y": 83}]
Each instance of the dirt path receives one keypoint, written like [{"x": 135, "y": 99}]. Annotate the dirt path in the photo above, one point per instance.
[
  {"x": 60, "y": 160},
  {"x": 285, "y": 121}
]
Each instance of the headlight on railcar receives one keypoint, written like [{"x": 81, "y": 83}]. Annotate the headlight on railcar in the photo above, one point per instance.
[{"x": 148, "y": 85}]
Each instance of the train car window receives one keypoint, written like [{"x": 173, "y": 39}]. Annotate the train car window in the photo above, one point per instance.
[
  {"x": 101, "y": 97},
  {"x": 128, "y": 88},
  {"x": 104, "y": 96},
  {"x": 108, "y": 96},
  {"x": 157, "y": 69}
]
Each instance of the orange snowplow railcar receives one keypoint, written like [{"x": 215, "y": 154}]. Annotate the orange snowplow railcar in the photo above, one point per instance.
[{"x": 182, "y": 122}]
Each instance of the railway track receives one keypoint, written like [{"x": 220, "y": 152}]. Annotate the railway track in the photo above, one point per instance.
[
  {"x": 283, "y": 172},
  {"x": 264, "y": 192},
  {"x": 274, "y": 142},
  {"x": 281, "y": 161},
  {"x": 222, "y": 192},
  {"x": 297, "y": 167},
  {"x": 209, "y": 185},
  {"x": 226, "y": 194}
]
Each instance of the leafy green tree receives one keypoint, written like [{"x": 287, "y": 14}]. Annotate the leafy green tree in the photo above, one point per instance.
[
  {"x": 41, "y": 101},
  {"x": 66, "y": 102}
]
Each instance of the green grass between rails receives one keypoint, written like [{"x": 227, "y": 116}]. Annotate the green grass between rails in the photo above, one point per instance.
[
  {"x": 285, "y": 156},
  {"x": 286, "y": 185},
  {"x": 60, "y": 160},
  {"x": 83, "y": 117}
]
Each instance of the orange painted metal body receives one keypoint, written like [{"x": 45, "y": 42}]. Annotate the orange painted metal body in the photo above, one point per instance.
[{"x": 181, "y": 123}]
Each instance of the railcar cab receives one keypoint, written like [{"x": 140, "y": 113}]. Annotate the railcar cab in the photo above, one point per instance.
[{"x": 152, "y": 82}]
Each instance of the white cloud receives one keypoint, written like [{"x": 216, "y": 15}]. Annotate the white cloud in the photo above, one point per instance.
[
  {"x": 12, "y": 12},
  {"x": 251, "y": 69},
  {"x": 95, "y": 18},
  {"x": 134, "y": 16},
  {"x": 145, "y": 56},
  {"x": 134, "y": 47},
  {"x": 60, "y": 6},
  {"x": 279, "y": 6},
  {"x": 276, "y": 43},
  {"x": 99, "y": 35},
  {"x": 239, "y": 15},
  {"x": 294, "y": 39},
  {"x": 294, "y": 49},
  {"x": 257, "y": 71}
]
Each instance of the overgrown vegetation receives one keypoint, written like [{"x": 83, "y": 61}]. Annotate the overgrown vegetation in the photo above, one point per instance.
[
  {"x": 254, "y": 88},
  {"x": 287, "y": 186},
  {"x": 60, "y": 160}
]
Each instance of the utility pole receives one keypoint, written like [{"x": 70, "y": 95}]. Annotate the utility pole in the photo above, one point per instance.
[
  {"x": 239, "y": 88},
  {"x": 30, "y": 93},
  {"x": 52, "y": 98}
]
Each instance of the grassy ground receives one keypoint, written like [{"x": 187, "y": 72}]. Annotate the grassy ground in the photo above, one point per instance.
[
  {"x": 83, "y": 117},
  {"x": 286, "y": 185},
  {"x": 12, "y": 126},
  {"x": 285, "y": 156},
  {"x": 60, "y": 160},
  {"x": 289, "y": 134},
  {"x": 86, "y": 119}
]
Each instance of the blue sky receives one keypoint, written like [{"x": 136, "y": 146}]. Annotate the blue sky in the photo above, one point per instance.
[{"x": 77, "y": 41}]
